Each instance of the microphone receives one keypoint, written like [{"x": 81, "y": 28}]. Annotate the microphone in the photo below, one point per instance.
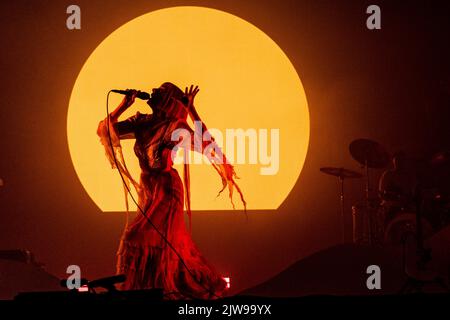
[
  {"x": 141, "y": 94},
  {"x": 63, "y": 282},
  {"x": 107, "y": 283}
]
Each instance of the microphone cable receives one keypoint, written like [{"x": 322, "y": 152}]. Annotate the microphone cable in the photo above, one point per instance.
[{"x": 142, "y": 211}]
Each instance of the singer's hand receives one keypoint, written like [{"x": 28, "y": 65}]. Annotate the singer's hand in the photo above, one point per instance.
[
  {"x": 127, "y": 101},
  {"x": 130, "y": 97},
  {"x": 190, "y": 95}
]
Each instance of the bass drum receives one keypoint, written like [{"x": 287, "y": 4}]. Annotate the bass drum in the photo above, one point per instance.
[
  {"x": 403, "y": 226},
  {"x": 367, "y": 224}
]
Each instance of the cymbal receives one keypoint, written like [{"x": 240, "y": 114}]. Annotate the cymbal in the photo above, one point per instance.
[
  {"x": 341, "y": 172},
  {"x": 370, "y": 153}
]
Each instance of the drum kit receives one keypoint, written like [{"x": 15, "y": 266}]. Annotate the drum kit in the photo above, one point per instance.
[{"x": 372, "y": 220}]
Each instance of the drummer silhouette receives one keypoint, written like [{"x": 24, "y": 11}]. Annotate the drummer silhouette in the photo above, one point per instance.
[{"x": 397, "y": 186}]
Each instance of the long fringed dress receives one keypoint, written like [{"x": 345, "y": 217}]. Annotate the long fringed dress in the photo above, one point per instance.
[{"x": 143, "y": 255}]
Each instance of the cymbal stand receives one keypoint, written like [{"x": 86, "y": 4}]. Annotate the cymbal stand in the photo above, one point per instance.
[
  {"x": 368, "y": 207},
  {"x": 341, "y": 180}
]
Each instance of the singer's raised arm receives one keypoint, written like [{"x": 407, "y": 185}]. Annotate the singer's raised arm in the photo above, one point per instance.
[
  {"x": 110, "y": 131},
  {"x": 118, "y": 130}
]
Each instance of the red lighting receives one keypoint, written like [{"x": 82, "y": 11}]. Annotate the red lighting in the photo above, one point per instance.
[
  {"x": 228, "y": 281},
  {"x": 83, "y": 288}
]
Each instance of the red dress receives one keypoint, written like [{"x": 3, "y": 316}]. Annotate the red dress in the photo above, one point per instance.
[
  {"x": 144, "y": 256},
  {"x": 162, "y": 254}
]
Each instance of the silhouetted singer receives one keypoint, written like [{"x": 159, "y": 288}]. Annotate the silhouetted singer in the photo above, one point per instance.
[{"x": 144, "y": 256}]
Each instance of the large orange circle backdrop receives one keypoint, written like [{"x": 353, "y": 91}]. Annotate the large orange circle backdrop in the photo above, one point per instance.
[{"x": 246, "y": 82}]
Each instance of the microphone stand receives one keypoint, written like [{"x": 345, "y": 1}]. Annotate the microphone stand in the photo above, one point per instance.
[{"x": 415, "y": 283}]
